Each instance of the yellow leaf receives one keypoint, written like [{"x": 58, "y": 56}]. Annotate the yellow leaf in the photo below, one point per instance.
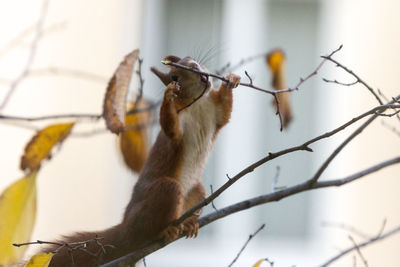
[
  {"x": 276, "y": 63},
  {"x": 40, "y": 260},
  {"x": 117, "y": 89},
  {"x": 134, "y": 140},
  {"x": 41, "y": 144},
  {"x": 258, "y": 263},
  {"x": 275, "y": 58},
  {"x": 17, "y": 218}
]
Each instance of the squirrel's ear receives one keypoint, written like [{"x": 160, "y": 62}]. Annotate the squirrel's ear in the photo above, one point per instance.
[
  {"x": 164, "y": 77},
  {"x": 172, "y": 58}
]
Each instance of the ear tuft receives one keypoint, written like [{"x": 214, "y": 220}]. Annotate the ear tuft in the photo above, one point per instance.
[{"x": 164, "y": 77}]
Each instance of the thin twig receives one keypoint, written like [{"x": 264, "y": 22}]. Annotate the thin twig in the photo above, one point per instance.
[
  {"x": 251, "y": 85},
  {"x": 228, "y": 68},
  {"x": 361, "y": 245},
  {"x": 358, "y": 79},
  {"x": 345, "y": 142},
  {"x": 274, "y": 183},
  {"x": 17, "y": 40},
  {"x": 69, "y": 73},
  {"x": 32, "y": 54},
  {"x": 52, "y": 117},
  {"x": 340, "y": 83},
  {"x": 212, "y": 202},
  {"x": 358, "y": 251},
  {"x": 141, "y": 80},
  {"x": 245, "y": 244},
  {"x": 346, "y": 227},
  {"x": 87, "y": 116},
  {"x": 248, "y": 76},
  {"x": 382, "y": 228}
]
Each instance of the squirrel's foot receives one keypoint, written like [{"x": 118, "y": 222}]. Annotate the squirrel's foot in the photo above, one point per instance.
[
  {"x": 233, "y": 80},
  {"x": 171, "y": 233},
  {"x": 191, "y": 226}
]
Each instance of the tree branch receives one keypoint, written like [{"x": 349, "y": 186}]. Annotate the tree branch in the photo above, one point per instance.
[
  {"x": 133, "y": 257},
  {"x": 87, "y": 116},
  {"x": 245, "y": 244},
  {"x": 359, "y": 130},
  {"x": 358, "y": 79},
  {"x": 250, "y": 83},
  {"x": 302, "y": 147},
  {"x": 32, "y": 54},
  {"x": 364, "y": 244}
]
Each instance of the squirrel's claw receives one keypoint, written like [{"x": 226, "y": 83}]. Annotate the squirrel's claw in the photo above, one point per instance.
[
  {"x": 191, "y": 227},
  {"x": 233, "y": 80},
  {"x": 171, "y": 233}
]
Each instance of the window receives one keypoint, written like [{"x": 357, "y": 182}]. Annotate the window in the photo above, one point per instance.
[{"x": 233, "y": 30}]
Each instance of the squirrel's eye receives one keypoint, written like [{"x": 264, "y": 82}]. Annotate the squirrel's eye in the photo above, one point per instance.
[{"x": 174, "y": 78}]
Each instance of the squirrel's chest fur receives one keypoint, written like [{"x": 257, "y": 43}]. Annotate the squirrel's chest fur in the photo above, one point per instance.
[{"x": 198, "y": 125}]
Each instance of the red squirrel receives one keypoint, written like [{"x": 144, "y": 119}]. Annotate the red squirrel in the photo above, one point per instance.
[{"x": 191, "y": 116}]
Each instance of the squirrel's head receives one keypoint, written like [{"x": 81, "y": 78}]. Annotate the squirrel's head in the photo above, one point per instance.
[{"x": 191, "y": 84}]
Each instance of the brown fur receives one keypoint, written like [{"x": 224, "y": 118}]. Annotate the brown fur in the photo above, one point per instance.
[{"x": 158, "y": 197}]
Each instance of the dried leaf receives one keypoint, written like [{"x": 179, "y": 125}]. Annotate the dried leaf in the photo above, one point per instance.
[
  {"x": 42, "y": 143},
  {"x": 258, "y": 263},
  {"x": 115, "y": 99},
  {"x": 276, "y": 63},
  {"x": 40, "y": 260},
  {"x": 134, "y": 140},
  {"x": 17, "y": 213}
]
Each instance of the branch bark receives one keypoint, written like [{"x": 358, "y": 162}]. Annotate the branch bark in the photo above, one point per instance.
[{"x": 364, "y": 244}]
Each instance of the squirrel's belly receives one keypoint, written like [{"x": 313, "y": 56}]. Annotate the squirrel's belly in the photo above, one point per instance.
[{"x": 198, "y": 137}]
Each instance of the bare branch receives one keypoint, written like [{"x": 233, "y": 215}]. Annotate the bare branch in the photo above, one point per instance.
[
  {"x": 340, "y": 83},
  {"x": 302, "y": 147},
  {"x": 245, "y": 244},
  {"x": 32, "y": 54},
  {"x": 17, "y": 40},
  {"x": 75, "y": 116},
  {"x": 358, "y": 251},
  {"x": 69, "y": 73},
  {"x": 305, "y": 186},
  {"x": 274, "y": 183},
  {"x": 358, "y": 79},
  {"x": 251, "y": 85},
  {"x": 323, "y": 167},
  {"x": 346, "y": 227},
  {"x": 212, "y": 202},
  {"x": 228, "y": 68},
  {"x": 141, "y": 80},
  {"x": 52, "y": 117},
  {"x": 361, "y": 245}
]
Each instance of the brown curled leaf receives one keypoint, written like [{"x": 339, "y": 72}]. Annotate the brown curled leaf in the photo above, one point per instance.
[
  {"x": 276, "y": 62},
  {"x": 40, "y": 146},
  {"x": 117, "y": 89},
  {"x": 134, "y": 140}
]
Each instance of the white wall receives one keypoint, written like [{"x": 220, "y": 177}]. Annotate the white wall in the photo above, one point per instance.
[
  {"x": 370, "y": 33},
  {"x": 84, "y": 186}
]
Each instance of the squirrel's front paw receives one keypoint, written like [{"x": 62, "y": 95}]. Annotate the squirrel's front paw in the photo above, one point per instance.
[
  {"x": 171, "y": 233},
  {"x": 233, "y": 80},
  {"x": 171, "y": 92},
  {"x": 191, "y": 226}
]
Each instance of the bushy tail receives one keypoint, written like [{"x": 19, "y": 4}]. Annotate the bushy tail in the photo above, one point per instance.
[{"x": 88, "y": 249}]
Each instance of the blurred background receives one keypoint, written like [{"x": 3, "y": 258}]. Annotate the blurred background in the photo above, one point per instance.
[{"x": 86, "y": 186}]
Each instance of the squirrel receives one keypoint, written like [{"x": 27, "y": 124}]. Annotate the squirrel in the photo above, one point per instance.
[{"x": 191, "y": 116}]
